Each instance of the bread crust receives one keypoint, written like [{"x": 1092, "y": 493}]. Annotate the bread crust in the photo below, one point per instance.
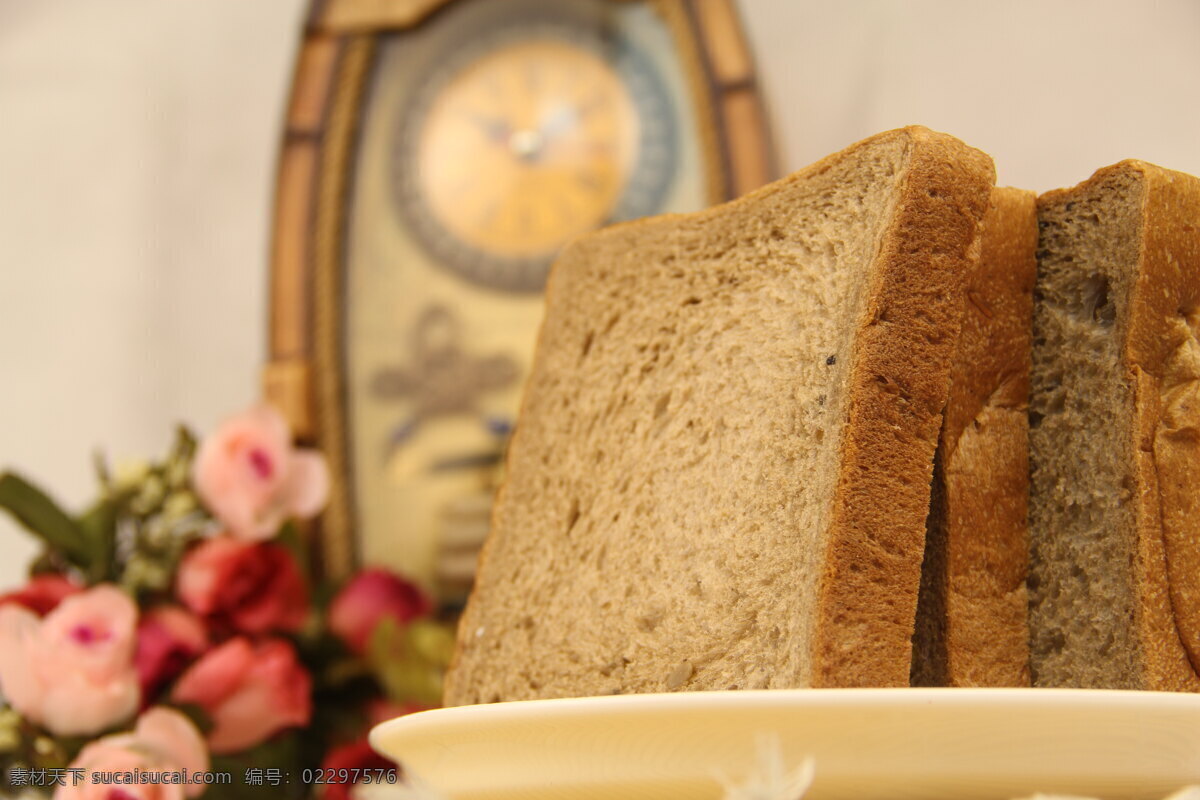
[
  {"x": 899, "y": 383},
  {"x": 985, "y": 452}
]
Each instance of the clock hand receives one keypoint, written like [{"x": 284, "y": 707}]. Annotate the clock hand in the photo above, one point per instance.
[
  {"x": 496, "y": 130},
  {"x": 559, "y": 121},
  {"x": 528, "y": 144}
]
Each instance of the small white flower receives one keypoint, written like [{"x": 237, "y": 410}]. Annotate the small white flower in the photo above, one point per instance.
[
  {"x": 769, "y": 779},
  {"x": 129, "y": 474}
]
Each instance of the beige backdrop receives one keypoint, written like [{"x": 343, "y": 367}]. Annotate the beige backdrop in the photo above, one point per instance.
[{"x": 137, "y": 145}]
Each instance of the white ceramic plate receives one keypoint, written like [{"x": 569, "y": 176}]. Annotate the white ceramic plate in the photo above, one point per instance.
[{"x": 966, "y": 744}]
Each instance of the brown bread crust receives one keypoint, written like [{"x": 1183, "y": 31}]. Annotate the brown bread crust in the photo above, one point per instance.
[
  {"x": 972, "y": 615},
  {"x": 1162, "y": 353},
  {"x": 898, "y": 389},
  {"x": 985, "y": 452}
]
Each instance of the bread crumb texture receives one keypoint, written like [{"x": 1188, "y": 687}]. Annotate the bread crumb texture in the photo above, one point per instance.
[{"x": 1115, "y": 433}]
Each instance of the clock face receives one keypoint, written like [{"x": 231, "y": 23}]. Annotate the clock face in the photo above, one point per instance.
[{"x": 524, "y": 138}]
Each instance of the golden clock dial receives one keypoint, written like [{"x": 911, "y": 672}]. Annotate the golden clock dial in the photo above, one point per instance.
[
  {"x": 526, "y": 136},
  {"x": 527, "y": 146}
]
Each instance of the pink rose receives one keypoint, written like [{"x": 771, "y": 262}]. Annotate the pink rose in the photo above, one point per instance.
[
  {"x": 168, "y": 639},
  {"x": 369, "y": 597},
  {"x": 163, "y": 741},
  {"x": 250, "y": 691},
  {"x": 252, "y": 479},
  {"x": 72, "y": 671},
  {"x": 43, "y": 593},
  {"x": 253, "y": 588}
]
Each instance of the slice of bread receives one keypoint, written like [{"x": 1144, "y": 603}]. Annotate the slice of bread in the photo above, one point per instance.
[
  {"x": 720, "y": 475},
  {"x": 972, "y": 617},
  {"x": 1115, "y": 433}
]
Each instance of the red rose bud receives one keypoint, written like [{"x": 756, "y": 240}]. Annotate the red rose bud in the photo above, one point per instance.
[
  {"x": 371, "y": 596},
  {"x": 253, "y": 588},
  {"x": 43, "y": 593},
  {"x": 250, "y": 691},
  {"x": 168, "y": 639}
]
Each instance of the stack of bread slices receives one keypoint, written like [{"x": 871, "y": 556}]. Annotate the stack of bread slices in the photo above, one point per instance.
[{"x": 879, "y": 423}]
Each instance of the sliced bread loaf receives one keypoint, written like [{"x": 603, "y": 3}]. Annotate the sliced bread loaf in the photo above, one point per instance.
[
  {"x": 1115, "y": 433},
  {"x": 972, "y": 617},
  {"x": 720, "y": 474}
]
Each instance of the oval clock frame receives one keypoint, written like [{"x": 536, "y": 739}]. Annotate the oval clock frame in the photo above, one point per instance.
[{"x": 342, "y": 44}]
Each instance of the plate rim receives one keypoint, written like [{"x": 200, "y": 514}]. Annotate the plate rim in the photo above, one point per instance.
[{"x": 524, "y": 710}]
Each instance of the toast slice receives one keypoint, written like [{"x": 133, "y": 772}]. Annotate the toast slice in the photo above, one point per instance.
[
  {"x": 720, "y": 474},
  {"x": 1115, "y": 433},
  {"x": 972, "y": 616}
]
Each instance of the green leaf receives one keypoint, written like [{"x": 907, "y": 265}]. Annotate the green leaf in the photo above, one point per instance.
[
  {"x": 410, "y": 661},
  {"x": 384, "y": 642},
  {"x": 99, "y": 525},
  {"x": 184, "y": 447},
  {"x": 410, "y": 682},
  {"x": 178, "y": 467},
  {"x": 103, "y": 474},
  {"x": 432, "y": 641},
  {"x": 41, "y": 516}
]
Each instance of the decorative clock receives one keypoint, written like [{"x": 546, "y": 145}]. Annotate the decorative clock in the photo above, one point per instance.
[{"x": 438, "y": 154}]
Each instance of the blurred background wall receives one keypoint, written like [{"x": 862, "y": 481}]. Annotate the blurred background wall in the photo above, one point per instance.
[{"x": 138, "y": 139}]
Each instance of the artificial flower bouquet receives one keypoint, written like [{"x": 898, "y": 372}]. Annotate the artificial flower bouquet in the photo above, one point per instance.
[{"x": 171, "y": 643}]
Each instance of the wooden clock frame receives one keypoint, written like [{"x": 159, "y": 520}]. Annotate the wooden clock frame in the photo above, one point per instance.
[{"x": 302, "y": 377}]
